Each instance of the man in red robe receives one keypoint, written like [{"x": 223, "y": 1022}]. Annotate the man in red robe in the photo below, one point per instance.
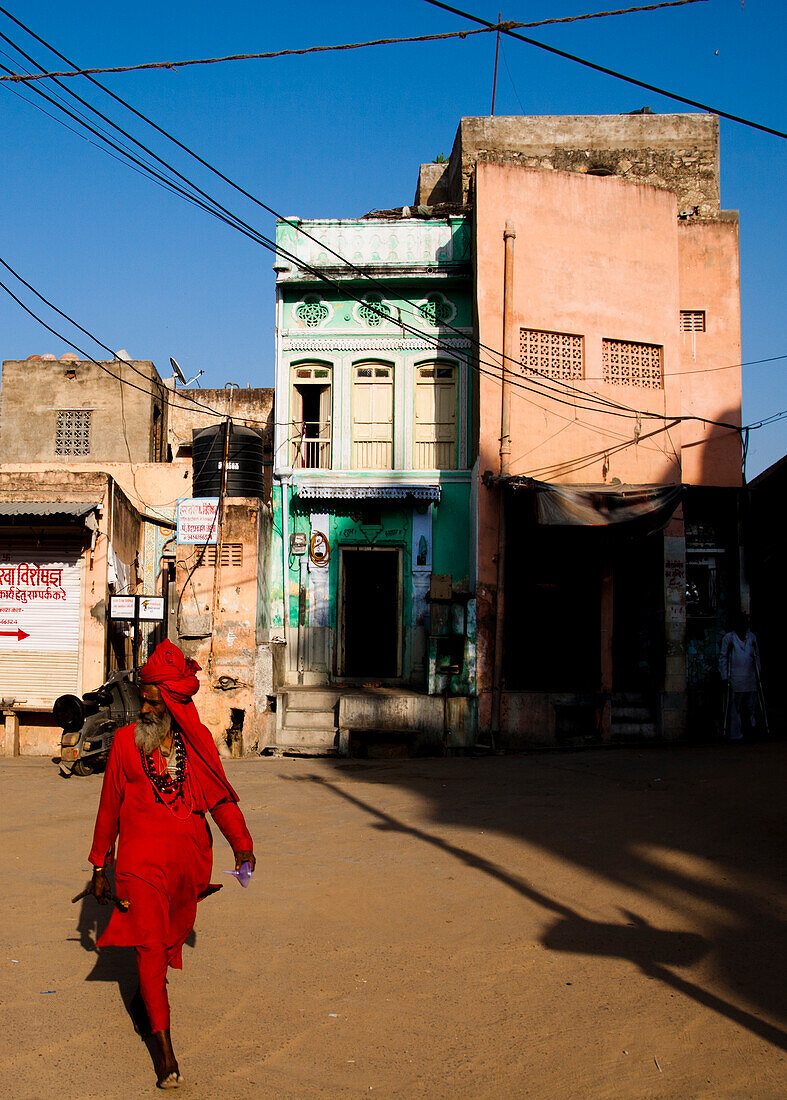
[{"x": 162, "y": 776}]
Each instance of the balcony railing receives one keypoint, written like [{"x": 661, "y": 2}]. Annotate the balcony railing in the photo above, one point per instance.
[{"x": 311, "y": 445}]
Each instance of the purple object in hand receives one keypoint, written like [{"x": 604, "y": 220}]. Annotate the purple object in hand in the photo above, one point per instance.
[{"x": 244, "y": 875}]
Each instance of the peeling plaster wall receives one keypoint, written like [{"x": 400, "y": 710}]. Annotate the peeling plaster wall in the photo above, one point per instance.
[
  {"x": 225, "y": 648},
  {"x": 122, "y": 422}
]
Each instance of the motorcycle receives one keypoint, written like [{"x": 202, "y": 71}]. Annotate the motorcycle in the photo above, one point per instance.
[{"x": 89, "y": 723}]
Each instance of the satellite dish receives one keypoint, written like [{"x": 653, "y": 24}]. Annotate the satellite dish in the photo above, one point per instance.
[{"x": 178, "y": 372}]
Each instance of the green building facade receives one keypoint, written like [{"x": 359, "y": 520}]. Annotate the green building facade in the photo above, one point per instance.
[{"x": 372, "y": 557}]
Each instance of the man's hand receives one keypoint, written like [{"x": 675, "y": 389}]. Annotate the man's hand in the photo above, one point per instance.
[
  {"x": 99, "y": 887},
  {"x": 244, "y": 857}
]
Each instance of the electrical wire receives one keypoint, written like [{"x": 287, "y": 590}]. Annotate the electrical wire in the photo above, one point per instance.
[
  {"x": 589, "y": 402},
  {"x": 540, "y": 384},
  {"x": 248, "y": 230},
  {"x": 611, "y": 72},
  {"x": 558, "y": 470},
  {"x": 344, "y": 46}
]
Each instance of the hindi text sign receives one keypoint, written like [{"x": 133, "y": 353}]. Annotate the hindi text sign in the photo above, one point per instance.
[{"x": 198, "y": 522}]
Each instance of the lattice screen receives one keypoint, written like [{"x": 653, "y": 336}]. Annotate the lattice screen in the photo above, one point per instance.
[
  {"x": 625, "y": 363},
  {"x": 72, "y": 432},
  {"x": 374, "y": 310},
  {"x": 312, "y": 312},
  {"x": 556, "y": 354},
  {"x": 692, "y": 320}
]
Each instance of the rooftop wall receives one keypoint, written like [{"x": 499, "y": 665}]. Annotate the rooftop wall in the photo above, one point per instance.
[
  {"x": 125, "y": 400},
  {"x": 403, "y": 244},
  {"x": 675, "y": 152},
  {"x": 189, "y": 410}
]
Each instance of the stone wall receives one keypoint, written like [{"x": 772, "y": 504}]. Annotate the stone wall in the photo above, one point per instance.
[
  {"x": 125, "y": 399},
  {"x": 676, "y": 152}
]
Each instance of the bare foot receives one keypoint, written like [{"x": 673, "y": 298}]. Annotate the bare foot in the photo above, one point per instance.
[
  {"x": 167, "y": 1071},
  {"x": 171, "y": 1081}
]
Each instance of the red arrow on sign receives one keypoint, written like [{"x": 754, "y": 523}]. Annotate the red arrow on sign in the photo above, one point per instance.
[{"x": 18, "y": 634}]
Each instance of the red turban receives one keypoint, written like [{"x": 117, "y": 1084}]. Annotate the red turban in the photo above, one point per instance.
[{"x": 175, "y": 676}]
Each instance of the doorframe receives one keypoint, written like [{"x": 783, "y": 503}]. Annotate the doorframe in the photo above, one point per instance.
[{"x": 341, "y": 624}]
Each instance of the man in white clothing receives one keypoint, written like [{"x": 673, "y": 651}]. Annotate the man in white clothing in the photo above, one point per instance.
[{"x": 739, "y": 665}]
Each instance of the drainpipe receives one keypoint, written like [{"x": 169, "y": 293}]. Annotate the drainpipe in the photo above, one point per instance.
[
  {"x": 509, "y": 349},
  {"x": 284, "y": 482}
]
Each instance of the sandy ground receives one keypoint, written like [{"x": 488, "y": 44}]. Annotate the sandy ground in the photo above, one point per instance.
[{"x": 598, "y": 924}]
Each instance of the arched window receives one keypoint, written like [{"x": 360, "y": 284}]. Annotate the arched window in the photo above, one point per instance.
[
  {"x": 434, "y": 436},
  {"x": 372, "y": 412},
  {"x": 310, "y": 431}
]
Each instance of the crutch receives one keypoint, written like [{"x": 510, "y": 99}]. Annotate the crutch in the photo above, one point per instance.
[
  {"x": 761, "y": 699},
  {"x": 727, "y": 698}
]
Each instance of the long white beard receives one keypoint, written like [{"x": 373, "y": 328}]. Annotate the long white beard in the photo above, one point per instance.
[{"x": 151, "y": 733}]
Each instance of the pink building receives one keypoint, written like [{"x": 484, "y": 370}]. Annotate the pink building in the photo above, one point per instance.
[{"x": 606, "y": 271}]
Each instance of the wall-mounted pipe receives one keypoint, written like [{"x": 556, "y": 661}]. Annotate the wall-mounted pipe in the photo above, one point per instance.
[{"x": 509, "y": 356}]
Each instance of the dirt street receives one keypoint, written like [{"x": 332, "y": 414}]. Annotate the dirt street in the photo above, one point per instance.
[{"x": 597, "y": 924}]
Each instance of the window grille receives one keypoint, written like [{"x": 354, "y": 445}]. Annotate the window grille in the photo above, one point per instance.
[
  {"x": 625, "y": 363},
  {"x": 556, "y": 354},
  {"x": 312, "y": 312},
  {"x": 374, "y": 310},
  {"x": 231, "y": 555},
  {"x": 436, "y": 310},
  {"x": 692, "y": 320},
  {"x": 72, "y": 432},
  {"x": 312, "y": 372}
]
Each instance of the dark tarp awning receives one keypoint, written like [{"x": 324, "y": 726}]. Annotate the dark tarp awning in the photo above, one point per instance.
[
  {"x": 643, "y": 507},
  {"x": 21, "y": 511}
]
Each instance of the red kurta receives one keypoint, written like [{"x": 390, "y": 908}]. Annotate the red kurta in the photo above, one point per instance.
[{"x": 164, "y": 855}]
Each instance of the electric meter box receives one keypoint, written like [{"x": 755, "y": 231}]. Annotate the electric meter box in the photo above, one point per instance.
[{"x": 299, "y": 543}]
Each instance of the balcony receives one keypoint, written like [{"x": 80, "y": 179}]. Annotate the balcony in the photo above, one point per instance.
[{"x": 311, "y": 441}]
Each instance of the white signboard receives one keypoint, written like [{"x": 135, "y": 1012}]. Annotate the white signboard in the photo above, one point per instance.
[
  {"x": 40, "y": 600},
  {"x": 198, "y": 520},
  {"x": 122, "y": 607},
  {"x": 151, "y": 607}
]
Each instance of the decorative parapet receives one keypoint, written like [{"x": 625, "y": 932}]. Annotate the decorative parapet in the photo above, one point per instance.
[
  {"x": 399, "y": 243},
  {"x": 372, "y": 344}
]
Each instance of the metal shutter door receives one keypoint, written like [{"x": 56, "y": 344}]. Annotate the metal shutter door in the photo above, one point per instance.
[{"x": 40, "y": 594}]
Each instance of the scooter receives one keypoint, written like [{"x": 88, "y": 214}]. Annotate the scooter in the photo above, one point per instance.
[{"x": 89, "y": 723}]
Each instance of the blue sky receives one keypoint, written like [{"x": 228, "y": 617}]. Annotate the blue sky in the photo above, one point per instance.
[{"x": 336, "y": 135}]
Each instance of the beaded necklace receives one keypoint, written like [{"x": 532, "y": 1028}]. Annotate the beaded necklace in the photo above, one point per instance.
[{"x": 168, "y": 787}]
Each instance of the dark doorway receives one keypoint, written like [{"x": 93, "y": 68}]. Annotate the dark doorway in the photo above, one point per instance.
[
  {"x": 553, "y": 607},
  {"x": 370, "y": 613},
  {"x": 638, "y": 615}
]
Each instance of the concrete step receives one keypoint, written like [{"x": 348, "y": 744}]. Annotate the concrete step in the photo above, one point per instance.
[
  {"x": 631, "y": 714},
  {"x": 310, "y": 699},
  {"x": 308, "y": 719},
  {"x": 305, "y": 737},
  {"x": 641, "y": 730}
]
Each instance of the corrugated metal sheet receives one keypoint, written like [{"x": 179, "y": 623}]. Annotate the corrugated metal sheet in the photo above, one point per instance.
[
  {"x": 47, "y": 508},
  {"x": 40, "y": 596}
]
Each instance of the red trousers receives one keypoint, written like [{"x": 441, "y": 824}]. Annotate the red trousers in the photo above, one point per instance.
[{"x": 152, "y": 962}]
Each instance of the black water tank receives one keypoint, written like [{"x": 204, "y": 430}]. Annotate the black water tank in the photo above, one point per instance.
[{"x": 244, "y": 461}]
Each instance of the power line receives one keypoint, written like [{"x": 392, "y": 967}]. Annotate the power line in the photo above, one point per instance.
[
  {"x": 196, "y": 406},
  {"x": 344, "y": 46},
  {"x": 610, "y": 72},
  {"x": 547, "y": 384},
  {"x": 543, "y": 385},
  {"x": 543, "y": 381},
  {"x": 540, "y": 385},
  {"x": 556, "y": 470}
]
